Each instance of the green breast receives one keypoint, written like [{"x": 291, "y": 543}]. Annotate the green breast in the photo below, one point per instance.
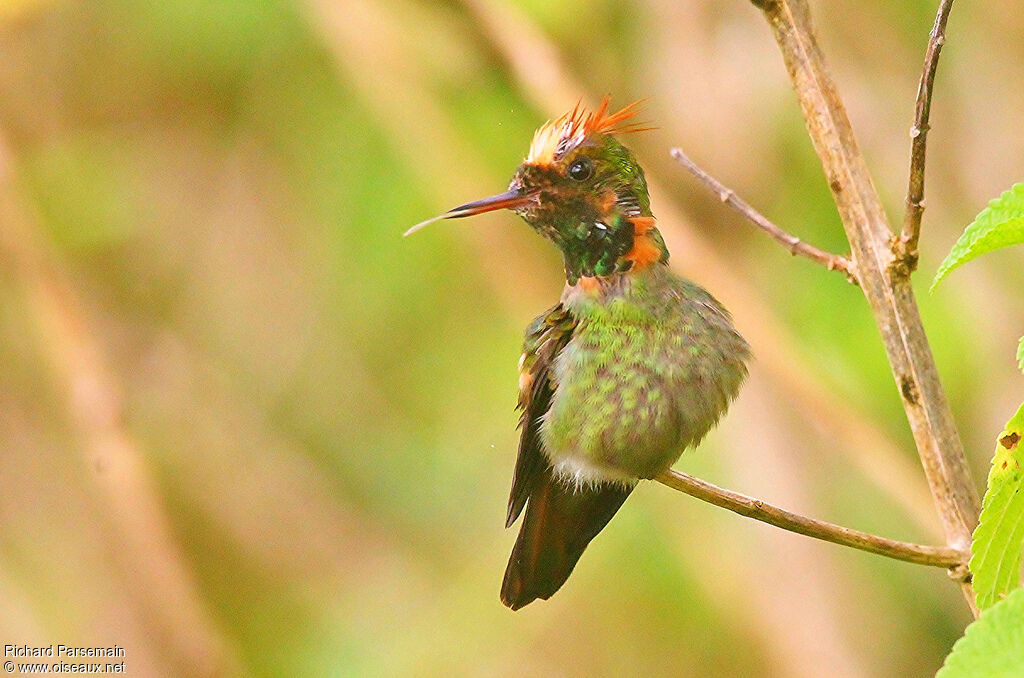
[{"x": 651, "y": 366}]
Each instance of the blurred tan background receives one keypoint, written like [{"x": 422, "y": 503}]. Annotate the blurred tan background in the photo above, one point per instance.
[{"x": 247, "y": 429}]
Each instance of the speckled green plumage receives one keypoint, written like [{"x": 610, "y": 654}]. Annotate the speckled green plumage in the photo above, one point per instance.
[
  {"x": 651, "y": 366},
  {"x": 617, "y": 380}
]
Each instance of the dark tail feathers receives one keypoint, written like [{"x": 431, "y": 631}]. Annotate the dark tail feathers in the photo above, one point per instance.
[{"x": 560, "y": 521}]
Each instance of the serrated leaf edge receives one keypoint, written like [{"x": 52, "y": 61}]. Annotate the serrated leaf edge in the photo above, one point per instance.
[
  {"x": 986, "y": 530},
  {"x": 980, "y": 558},
  {"x": 973, "y": 630},
  {"x": 1004, "y": 574},
  {"x": 968, "y": 239}
]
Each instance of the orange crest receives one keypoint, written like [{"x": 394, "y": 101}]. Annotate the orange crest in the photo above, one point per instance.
[{"x": 556, "y": 137}]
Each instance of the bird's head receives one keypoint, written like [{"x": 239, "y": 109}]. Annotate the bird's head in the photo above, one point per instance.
[{"x": 583, "y": 190}]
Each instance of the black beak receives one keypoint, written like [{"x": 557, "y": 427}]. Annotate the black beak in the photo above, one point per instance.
[{"x": 507, "y": 200}]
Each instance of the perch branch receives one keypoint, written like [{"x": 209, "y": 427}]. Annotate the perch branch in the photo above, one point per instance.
[
  {"x": 888, "y": 291},
  {"x": 937, "y": 556},
  {"x": 907, "y": 247},
  {"x": 833, "y": 262}
]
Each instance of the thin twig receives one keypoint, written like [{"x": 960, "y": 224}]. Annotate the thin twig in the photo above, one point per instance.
[
  {"x": 919, "y": 139},
  {"x": 936, "y": 556},
  {"x": 890, "y": 296},
  {"x": 833, "y": 262}
]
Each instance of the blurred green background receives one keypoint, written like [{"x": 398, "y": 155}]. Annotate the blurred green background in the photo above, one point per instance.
[{"x": 247, "y": 429}]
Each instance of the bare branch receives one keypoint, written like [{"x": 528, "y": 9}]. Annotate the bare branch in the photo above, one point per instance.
[
  {"x": 888, "y": 292},
  {"x": 833, "y": 262},
  {"x": 936, "y": 556},
  {"x": 907, "y": 247}
]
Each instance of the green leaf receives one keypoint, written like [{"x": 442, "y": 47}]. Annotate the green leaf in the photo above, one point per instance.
[
  {"x": 1001, "y": 224},
  {"x": 1020, "y": 355},
  {"x": 999, "y": 540},
  {"x": 993, "y": 646}
]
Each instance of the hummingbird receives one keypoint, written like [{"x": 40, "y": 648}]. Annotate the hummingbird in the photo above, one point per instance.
[{"x": 631, "y": 367}]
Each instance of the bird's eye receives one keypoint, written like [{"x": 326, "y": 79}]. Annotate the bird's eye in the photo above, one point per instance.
[{"x": 581, "y": 170}]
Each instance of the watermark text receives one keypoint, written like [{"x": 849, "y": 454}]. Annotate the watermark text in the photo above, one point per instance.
[{"x": 59, "y": 658}]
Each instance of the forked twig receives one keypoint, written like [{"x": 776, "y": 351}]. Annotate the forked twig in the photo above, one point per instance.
[{"x": 890, "y": 296}]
